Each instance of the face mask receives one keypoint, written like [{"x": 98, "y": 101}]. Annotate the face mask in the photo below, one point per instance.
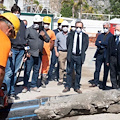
[
  {"x": 78, "y": 30},
  {"x": 46, "y": 26},
  {"x": 36, "y": 26},
  {"x": 105, "y": 30},
  {"x": 18, "y": 15},
  {"x": 73, "y": 28},
  {"x": 117, "y": 33},
  {"x": 65, "y": 29},
  {"x": 60, "y": 27}
]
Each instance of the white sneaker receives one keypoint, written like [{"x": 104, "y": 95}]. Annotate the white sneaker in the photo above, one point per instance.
[
  {"x": 24, "y": 90},
  {"x": 35, "y": 89}
]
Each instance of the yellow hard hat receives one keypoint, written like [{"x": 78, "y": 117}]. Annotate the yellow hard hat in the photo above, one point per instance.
[
  {"x": 60, "y": 20},
  {"x": 13, "y": 19},
  {"x": 47, "y": 19}
]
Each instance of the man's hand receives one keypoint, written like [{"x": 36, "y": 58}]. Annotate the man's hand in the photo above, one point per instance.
[
  {"x": 42, "y": 33},
  {"x": 10, "y": 54},
  {"x": 28, "y": 55},
  {"x": 57, "y": 54}
]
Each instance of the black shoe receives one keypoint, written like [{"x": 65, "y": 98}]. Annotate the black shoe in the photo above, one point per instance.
[{"x": 14, "y": 97}]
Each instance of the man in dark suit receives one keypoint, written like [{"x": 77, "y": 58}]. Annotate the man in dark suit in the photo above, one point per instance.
[
  {"x": 77, "y": 44},
  {"x": 113, "y": 58},
  {"x": 102, "y": 43}
]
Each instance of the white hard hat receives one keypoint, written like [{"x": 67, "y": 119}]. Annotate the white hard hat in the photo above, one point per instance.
[
  {"x": 37, "y": 18},
  {"x": 65, "y": 23},
  {"x": 72, "y": 23}
]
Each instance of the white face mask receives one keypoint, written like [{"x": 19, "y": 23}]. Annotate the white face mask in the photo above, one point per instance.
[
  {"x": 60, "y": 27},
  {"x": 36, "y": 26},
  {"x": 78, "y": 30},
  {"x": 117, "y": 33},
  {"x": 18, "y": 15},
  {"x": 46, "y": 26},
  {"x": 73, "y": 28},
  {"x": 105, "y": 30},
  {"x": 65, "y": 29}
]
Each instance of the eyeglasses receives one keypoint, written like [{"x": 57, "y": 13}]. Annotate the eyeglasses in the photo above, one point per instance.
[{"x": 79, "y": 27}]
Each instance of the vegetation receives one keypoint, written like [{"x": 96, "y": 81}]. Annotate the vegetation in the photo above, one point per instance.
[
  {"x": 73, "y": 8},
  {"x": 114, "y": 7}
]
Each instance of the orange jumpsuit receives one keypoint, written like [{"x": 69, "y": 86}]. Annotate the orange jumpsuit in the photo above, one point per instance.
[
  {"x": 5, "y": 46},
  {"x": 46, "y": 53}
]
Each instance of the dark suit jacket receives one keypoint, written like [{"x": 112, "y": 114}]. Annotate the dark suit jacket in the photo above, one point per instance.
[
  {"x": 70, "y": 39},
  {"x": 111, "y": 48},
  {"x": 102, "y": 47}
]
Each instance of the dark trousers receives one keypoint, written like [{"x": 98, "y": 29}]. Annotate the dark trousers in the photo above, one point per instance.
[
  {"x": 99, "y": 61},
  {"x": 75, "y": 61},
  {"x": 54, "y": 60},
  {"x": 34, "y": 62},
  {"x": 114, "y": 72}
]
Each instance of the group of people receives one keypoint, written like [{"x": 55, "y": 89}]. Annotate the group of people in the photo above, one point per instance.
[
  {"x": 41, "y": 48},
  {"x": 108, "y": 50}
]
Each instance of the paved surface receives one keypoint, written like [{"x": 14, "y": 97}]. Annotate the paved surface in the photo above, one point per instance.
[{"x": 53, "y": 90}]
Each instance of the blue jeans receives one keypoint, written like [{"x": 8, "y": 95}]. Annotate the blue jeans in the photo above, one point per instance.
[
  {"x": 34, "y": 62},
  {"x": 54, "y": 60},
  {"x": 75, "y": 62},
  {"x": 12, "y": 67}
]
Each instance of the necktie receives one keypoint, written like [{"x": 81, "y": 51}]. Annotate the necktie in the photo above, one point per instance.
[
  {"x": 77, "y": 46},
  {"x": 117, "y": 40}
]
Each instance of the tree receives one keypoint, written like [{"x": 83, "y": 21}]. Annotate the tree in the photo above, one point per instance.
[
  {"x": 114, "y": 7},
  {"x": 77, "y": 6},
  {"x": 66, "y": 10},
  {"x": 73, "y": 5}
]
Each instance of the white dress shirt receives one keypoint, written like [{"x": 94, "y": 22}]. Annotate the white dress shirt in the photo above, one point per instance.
[{"x": 75, "y": 42}]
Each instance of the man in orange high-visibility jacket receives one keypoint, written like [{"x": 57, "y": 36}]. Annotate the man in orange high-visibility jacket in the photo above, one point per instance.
[
  {"x": 46, "y": 50},
  {"x": 9, "y": 26}
]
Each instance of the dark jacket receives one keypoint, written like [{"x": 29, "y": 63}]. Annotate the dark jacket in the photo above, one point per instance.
[
  {"x": 112, "y": 50},
  {"x": 56, "y": 31},
  {"x": 20, "y": 42},
  {"x": 102, "y": 47},
  {"x": 35, "y": 41},
  {"x": 70, "y": 39}
]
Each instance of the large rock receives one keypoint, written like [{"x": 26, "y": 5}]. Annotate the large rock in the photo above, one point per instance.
[{"x": 81, "y": 104}]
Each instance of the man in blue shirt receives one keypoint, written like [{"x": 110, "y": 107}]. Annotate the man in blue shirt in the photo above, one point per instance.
[
  {"x": 61, "y": 49},
  {"x": 102, "y": 43}
]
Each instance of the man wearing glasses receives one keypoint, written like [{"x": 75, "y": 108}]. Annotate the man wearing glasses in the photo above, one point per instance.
[
  {"x": 77, "y": 44},
  {"x": 102, "y": 43}
]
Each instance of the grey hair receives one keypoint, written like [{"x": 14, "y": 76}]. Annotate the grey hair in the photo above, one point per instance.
[
  {"x": 7, "y": 22},
  {"x": 106, "y": 23}
]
